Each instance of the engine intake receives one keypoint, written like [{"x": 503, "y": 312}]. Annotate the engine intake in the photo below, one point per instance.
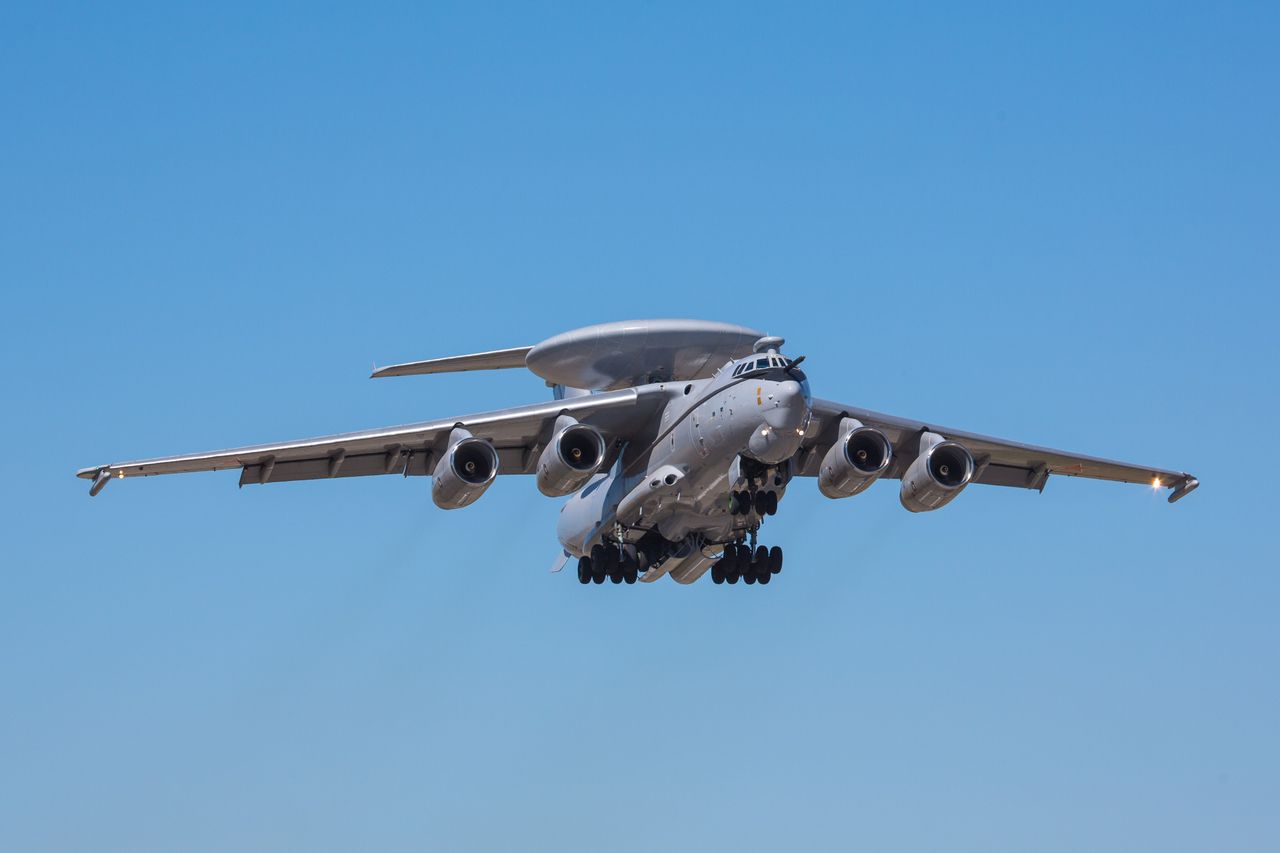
[
  {"x": 940, "y": 472},
  {"x": 573, "y": 456},
  {"x": 467, "y": 468},
  {"x": 855, "y": 461}
]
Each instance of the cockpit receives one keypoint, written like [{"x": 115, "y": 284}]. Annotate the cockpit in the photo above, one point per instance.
[{"x": 763, "y": 362}]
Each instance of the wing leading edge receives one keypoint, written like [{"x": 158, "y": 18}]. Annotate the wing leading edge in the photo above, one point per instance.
[
  {"x": 517, "y": 434},
  {"x": 999, "y": 462}
]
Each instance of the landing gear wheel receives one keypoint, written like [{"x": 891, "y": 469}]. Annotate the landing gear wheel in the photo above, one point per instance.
[
  {"x": 597, "y": 563},
  {"x": 775, "y": 559},
  {"x": 584, "y": 569},
  {"x": 761, "y": 503},
  {"x": 731, "y": 571},
  {"x": 630, "y": 571},
  {"x": 613, "y": 566},
  {"x": 717, "y": 572},
  {"x": 764, "y": 577},
  {"x": 771, "y": 503}
]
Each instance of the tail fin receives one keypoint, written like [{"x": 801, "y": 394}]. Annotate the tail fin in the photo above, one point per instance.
[{"x": 501, "y": 359}]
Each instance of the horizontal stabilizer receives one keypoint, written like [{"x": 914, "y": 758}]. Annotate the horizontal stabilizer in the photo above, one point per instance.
[{"x": 500, "y": 359}]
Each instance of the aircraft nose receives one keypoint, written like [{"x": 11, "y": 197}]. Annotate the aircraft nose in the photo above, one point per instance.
[{"x": 789, "y": 406}]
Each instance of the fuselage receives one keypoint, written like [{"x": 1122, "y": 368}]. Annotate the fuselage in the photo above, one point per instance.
[{"x": 735, "y": 429}]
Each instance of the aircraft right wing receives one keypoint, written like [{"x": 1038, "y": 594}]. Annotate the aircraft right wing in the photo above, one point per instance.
[
  {"x": 1000, "y": 462},
  {"x": 517, "y": 434}
]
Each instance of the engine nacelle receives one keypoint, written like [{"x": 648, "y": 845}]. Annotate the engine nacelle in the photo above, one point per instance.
[
  {"x": 467, "y": 468},
  {"x": 940, "y": 472},
  {"x": 855, "y": 461},
  {"x": 575, "y": 453}
]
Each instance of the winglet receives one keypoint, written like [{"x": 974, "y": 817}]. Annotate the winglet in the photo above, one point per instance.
[
  {"x": 1186, "y": 487},
  {"x": 100, "y": 481}
]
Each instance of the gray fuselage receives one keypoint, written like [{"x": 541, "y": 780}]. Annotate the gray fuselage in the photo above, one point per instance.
[{"x": 743, "y": 423}]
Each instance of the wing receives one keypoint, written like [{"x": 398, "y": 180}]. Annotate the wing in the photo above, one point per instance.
[
  {"x": 999, "y": 462},
  {"x": 517, "y": 434}
]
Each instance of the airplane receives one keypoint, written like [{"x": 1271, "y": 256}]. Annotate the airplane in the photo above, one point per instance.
[{"x": 673, "y": 440}]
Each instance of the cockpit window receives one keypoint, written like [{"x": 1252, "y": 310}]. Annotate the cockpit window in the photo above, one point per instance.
[{"x": 762, "y": 363}]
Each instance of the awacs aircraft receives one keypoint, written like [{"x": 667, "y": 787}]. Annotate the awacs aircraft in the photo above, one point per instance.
[{"x": 674, "y": 441}]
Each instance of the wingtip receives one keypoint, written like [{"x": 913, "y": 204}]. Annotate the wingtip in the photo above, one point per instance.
[{"x": 1188, "y": 485}]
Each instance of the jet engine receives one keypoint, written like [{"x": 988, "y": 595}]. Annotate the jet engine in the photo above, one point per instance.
[
  {"x": 940, "y": 472},
  {"x": 467, "y": 468},
  {"x": 855, "y": 461},
  {"x": 575, "y": 453}
]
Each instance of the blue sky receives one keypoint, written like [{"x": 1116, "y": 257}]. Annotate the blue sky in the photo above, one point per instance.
[{"x": 1055, "y": 225}]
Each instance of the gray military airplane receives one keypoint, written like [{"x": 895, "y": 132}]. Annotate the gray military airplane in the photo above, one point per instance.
[{"x": 674, "y": 441}]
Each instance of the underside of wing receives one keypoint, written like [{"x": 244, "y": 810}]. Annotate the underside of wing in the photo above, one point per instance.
[
  {"x": 517, "y": 434},
  {"x": 999, "y": 462}
]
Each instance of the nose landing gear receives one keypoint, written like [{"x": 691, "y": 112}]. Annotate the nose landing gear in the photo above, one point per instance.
[{"x": 763, "y": 503}]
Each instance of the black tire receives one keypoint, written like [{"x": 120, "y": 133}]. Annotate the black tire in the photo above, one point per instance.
[
  {"x": 761, "y": 503},
  {"x": 775, "y": 559},
  {"x": 717, "y": 572},
  {"x": 771, "y": 503},
  {"x": 584, "y": 569},
  {"x": 741, "y": 503},
  {"x": 612, "y": 565},
  {"x": 630, "y": 571},
  {"x": 764, "y": 577},
  {"x": 749, "y": 576},
  {"x": 731, "y": 573}
]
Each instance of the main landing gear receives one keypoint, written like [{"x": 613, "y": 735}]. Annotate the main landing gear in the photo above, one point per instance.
[
  {"x": 757, "y": 565},
  {"x": 608, "y": 562}
]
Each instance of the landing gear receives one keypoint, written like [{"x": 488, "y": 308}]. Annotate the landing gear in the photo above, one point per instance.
[
  {"x": 732, "y": 568},
  {"x": 607, "y": 561},
  {"x": 763, "y": 503},
  {"x": 598, "y": 567},
  {"x": 750, "y": 565}
]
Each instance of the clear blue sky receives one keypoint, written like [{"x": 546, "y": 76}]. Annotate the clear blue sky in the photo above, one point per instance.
[{"x": 1059, "y": 226}]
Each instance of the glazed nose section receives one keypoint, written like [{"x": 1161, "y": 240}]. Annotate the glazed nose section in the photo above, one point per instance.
[{"x": 785, "y": 406}]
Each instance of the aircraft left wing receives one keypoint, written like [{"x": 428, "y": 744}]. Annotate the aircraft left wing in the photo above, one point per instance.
[
  {"x": 999, "y": 462},
  {"x": 518, "y": 434}
]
